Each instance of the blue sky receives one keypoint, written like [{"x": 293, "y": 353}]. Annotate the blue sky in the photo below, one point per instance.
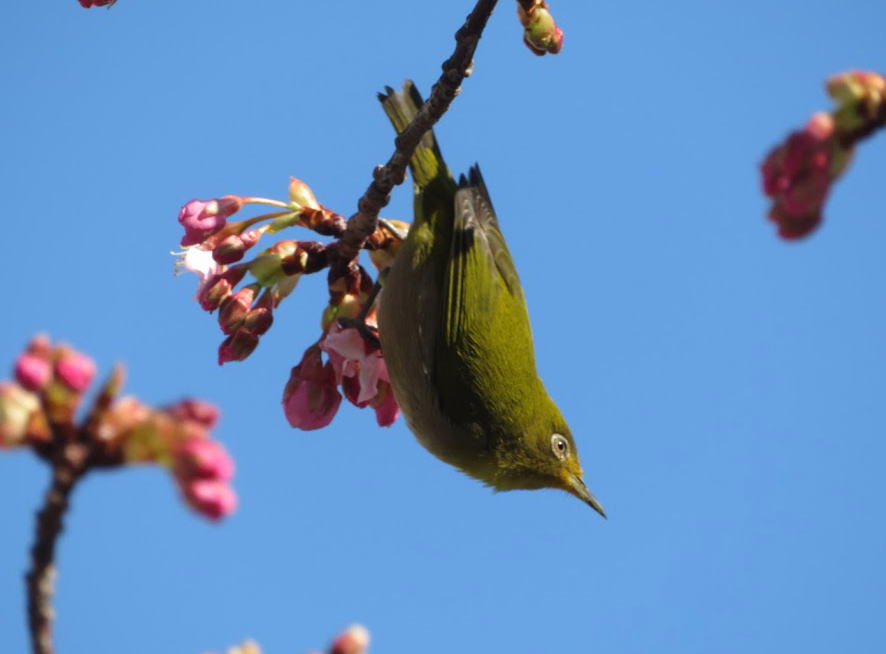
[{"x": 726, "y": 389}]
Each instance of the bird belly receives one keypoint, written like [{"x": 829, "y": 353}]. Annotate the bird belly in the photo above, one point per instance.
[{"x": 409, "y": 312}]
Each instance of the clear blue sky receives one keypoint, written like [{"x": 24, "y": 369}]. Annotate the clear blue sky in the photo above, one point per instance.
[{"x": 727, "y": 390}]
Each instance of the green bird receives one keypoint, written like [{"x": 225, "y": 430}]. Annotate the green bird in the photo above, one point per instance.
[{"x": 456, "y": 338}]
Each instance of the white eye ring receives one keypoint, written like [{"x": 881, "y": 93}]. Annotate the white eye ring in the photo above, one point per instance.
[{"x": 559, "y": 446}]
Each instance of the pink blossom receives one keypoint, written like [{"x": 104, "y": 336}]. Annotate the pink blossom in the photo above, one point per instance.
[
  {"x": 88, "y": 4},
  {"x": 75, "y": 370},
  {"x": 197, "y": 411},
  {"x": 203, "y": 219},
  {"x": 200, "y": 262},
  {"x": 32, "y": 372},
  {"x": 352, "y": 356},
  {"x": 202, "y": 458},
  {"x": 213, "y": 498},
  {"x": 311, "y": 399}
]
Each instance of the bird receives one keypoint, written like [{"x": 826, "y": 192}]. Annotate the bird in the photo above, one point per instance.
[{"x": 456, "y": 338}]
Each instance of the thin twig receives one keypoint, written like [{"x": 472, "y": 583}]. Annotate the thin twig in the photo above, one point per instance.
[
  {"x": 385, "y": 178},
  {"x": 68, "y": 468}
]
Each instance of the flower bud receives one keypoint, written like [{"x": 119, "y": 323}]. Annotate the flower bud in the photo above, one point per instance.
[
  {"x": 197, "y": 411},
  {"x": 260, "y": 318},
  {"x": 74, "y": 369},
  {"x": 235, "y": 308},
  {"x": 232, "y": 248},
  {"x": 202, "y": 219},
  {"x": 216, "y": 289},
  {"x": 88, "y": 4},
  {"x": 237, "y": 346},
  {"x": 541, "y": 34},
  {"x": 212, "y": 498},
  {"x": 202, "y": 458},
  {"x": 311, "y": 399},
  {"x": 354, "y": 640},
  {"x": 798, "y": 174},
  {"x": 33, "y": 372},
  {"x": 301, "y": 194}
]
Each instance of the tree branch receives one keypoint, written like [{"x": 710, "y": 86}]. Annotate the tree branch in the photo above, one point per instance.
[
  {"x": 363, "y": 223},
  {"x": 68, "y": 468}
]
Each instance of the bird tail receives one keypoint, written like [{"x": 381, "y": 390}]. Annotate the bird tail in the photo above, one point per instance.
[{"x": 401, "y": 107}]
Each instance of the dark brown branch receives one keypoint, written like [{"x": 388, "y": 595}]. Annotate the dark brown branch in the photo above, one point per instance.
[
  {"x": 385, "y": 178},
  {"x": 68, "y": 468}
]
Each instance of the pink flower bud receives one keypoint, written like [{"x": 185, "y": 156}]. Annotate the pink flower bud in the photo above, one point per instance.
[
  {"x": 798, "y": 174},
  {"x": 74, "y": 369},
  {"x": 234, "y": 309},
  {"x": 354, "y": 640},
  {"x": 203, "y": 219},
  {"x": 197, "y": 411},
  {"x": 210, "y": 497},
  {"x": 310, "y": 399},
  {"x": 217, "y": 288},
  {"x": 202, "y": 458},
  {"x": 261, "y": 317},
  {"x": 33, "y": 372},
  {"x": 16, "y": 408},
  {"x": 237, "y": 346},
  {"x": 232, "y": 248},
  {"x": 88, "y": 4}
]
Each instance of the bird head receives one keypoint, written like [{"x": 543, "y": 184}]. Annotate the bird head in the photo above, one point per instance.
[{"x": 544, "y": 457}]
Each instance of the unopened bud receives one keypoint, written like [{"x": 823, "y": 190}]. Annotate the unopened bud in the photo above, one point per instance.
[
  {"x": 33, "y": 372},
  {"x": 74, "y": 369},
  {"x": 235, "y": 308},
  {"x": 237, "y": 346},
  {"x": 301, "y": 194},
  {"x": 232, "y": 248},
  {"x": 261, "y": 317},
  {"x": 354, "y": 640}
]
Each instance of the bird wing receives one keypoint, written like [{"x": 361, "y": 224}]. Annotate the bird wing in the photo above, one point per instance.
[{"x": 486, "y": 342}]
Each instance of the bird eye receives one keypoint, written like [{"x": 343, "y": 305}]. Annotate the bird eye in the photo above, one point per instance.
[{"x": 560, "y": 446}]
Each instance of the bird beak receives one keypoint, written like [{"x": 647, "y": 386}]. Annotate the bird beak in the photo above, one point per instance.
[{"x": 577, "y": 487}]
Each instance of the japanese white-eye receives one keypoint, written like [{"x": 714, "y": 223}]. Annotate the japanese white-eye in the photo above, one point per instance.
[{"x": 456, "y": 338}]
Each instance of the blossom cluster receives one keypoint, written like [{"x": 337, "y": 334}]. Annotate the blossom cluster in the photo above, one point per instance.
[
  {"x": 88, "y": 4},
  {"x": 540, "y": 32},
  {"x": 37, "y": 410},
  {"x": 799, "y": 173},
  {"x": 353, "y": 367}
]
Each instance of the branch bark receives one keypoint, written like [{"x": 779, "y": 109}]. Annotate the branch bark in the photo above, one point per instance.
[
  {"x": 68, "y": 468},
  {"x": 363, "y": 223}
]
